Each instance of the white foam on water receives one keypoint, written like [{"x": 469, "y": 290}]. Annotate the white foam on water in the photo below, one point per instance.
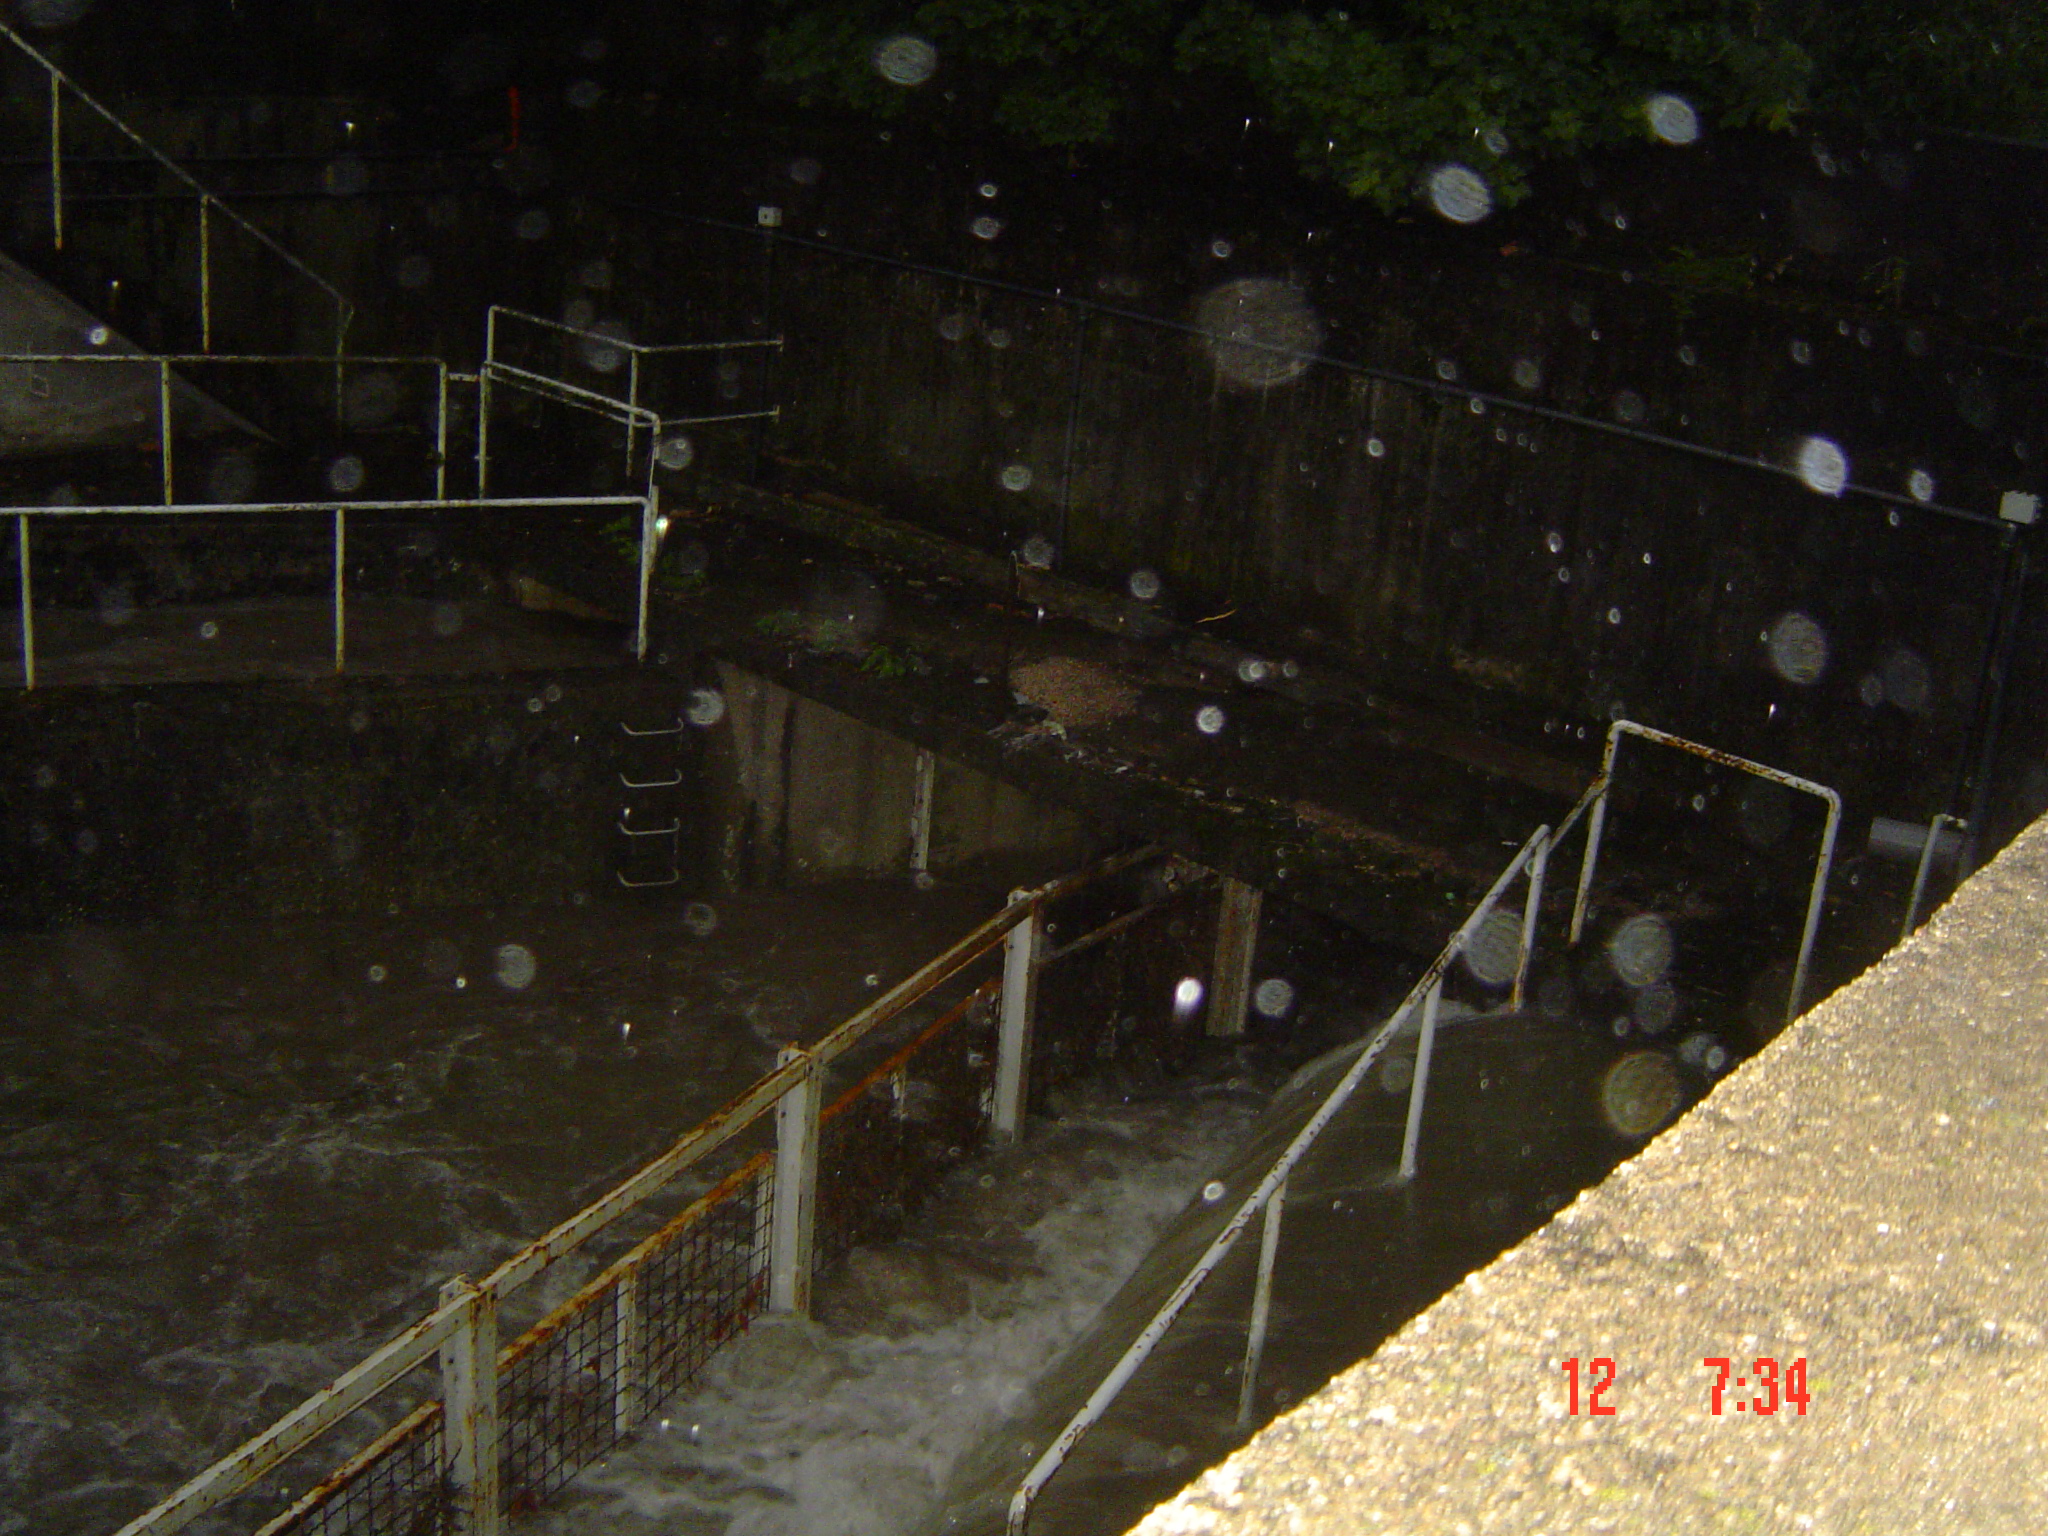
[{"x": 801, "y": 1431}]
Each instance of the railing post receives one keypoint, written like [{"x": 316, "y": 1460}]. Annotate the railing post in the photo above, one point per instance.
[
  {"x": 922, "y": 777},
  {"x": 1230, "y": 975},
  {"x": 28, "y": 622},
  {"x": 647, "y": 550},
  {"x": 632, "y": 421},
  {"x": 483, "y": 432},
  {"x": 793, "y": 1221},
  {"x": 1539, "y": 865},
  {"x": 57, "y": 159},
  {"x": 1013, "y": 1041},
  {"x": 1919, "y": 874},
  {"x": 340, "y": 587},
  {"x": 1596, "y": 824},
  {"x": 1262, "y": 1304},
  {"x": 1815, "y": 900},
  {"x": 163, "y": 418},
  {"x": 626, "y": 1395},
  {"x": 1419, "y": 1089},
  {"x": 441, "y": 436},
  {"x": 205, "y": 280},
  {"x": 469, "y": 1411}
]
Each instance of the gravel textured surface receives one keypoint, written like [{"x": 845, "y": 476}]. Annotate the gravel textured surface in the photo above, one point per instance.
[{"x": 1870, "y": 1194}]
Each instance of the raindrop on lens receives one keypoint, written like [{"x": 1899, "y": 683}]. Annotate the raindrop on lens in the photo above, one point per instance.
[
  {"x": 1446, "y": 369},
  {"x": 988, "y": 189},
  {"x": 1614, "y": 615},
  {"x": 1528, "y": 374},
  {"x": 1273, "y": 997},
  {"x": 700, "y": 919},
  {"x": 446, "y": 619},
  {"x": 1252, "y": 670},
  {"x": 514, "y": 966},
  {"x": 1798, "y": 649},
  {"x": 1822, "y": 465},
  {"x": 209, "y": 630},
  {"x": 1672, "y": 119},
  {"x": 676, "y": 452},
  {"x": 1375, "y": 449},
  {"x": 1640, "y": 950},
  {"x": 706, "y": 706},
  {"x": 1037, "y": 551},
  {"x": 1016, "y": 477},
  {"x": 1144, "y": 585},
  {"x": 905, "y": 60},
  {"x": 805, "y": 171},
  {"x": 1639, "y": 1092},
  {"x": 1920, "y": 485},
  {"x": 1212, "y": 1191},
  {"x": 1495, "y": 141},
  {"x": 1802, "y": 353},
  {"x": 1494, "y": 950},
  {"x": 1221, "y": 249},
  {"x": 535, "y": 704},
  {"x": 533, "y": 224},
  {"x": 584, "y": 94},
  {"x": 1460, "y": 194},
  {"x": 377, "y": 973},
  {"x": 345, "y": 474},
  {"x": 1554, "y": 542},
  {"x": 987, "y": 227},
  {"x": 1209, "y": 720}
]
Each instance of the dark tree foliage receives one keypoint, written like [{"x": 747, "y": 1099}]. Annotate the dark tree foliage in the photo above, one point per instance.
[{"x": 1376, "y": 94}]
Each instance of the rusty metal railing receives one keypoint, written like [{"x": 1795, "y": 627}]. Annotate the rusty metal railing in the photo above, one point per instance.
[{"x": 515, "y": 1423}]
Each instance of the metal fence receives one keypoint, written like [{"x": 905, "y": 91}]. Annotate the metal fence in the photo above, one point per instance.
[{"x": 810, "y": 1179}]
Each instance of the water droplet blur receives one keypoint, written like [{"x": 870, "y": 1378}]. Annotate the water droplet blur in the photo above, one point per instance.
[
  {"x": 533, "y": 224},
  {"x": 1629, "y": 407},
  {"x": 1016, "y": 477},
  {"x": 1822, "y": 465},
  {"x": 1446, "y": 369},
  {"x": 597, "y": 355},
  {"x": 1396, "y": 1073},
  {"x": 1495, "y": 141},
  {"x": 1221, "y": 249},
  {"x": 1564, "y": 576},
  {"x": 1554, "y": 542},
  {"x": 345, "y": 474},
  {"x": 377, "y": 973},
  {"x": 1907, "y": 681},
  {"x": 1639, "y": 1092},
  {"x": 446, "y": 619},
  {"x": 1036, "y": 553},
  {"x": 955, "y": 327},
  {"x": 1273, "y": 997},
  {"x": 700, "y": 919},
  {"x": 1672, "y": 118},
  {"x": 706, "y": 706},
  {"x": 1375, "y": 449},
  {"x": 371, "y": 399},
  {"x": 552, "y": 693},
  {"x": 1187, "y": 996},
  {"x": 1527, "y": 374},
  {"x": 1212, "y": 1191},
  {"x": 1209, "y": 720},
  {"x": 1702, "y": 1050},
  {"x": 1460, "y": 194},
  {"x": 1687, "y": 356},
  {"x": 1640, "y": 950},
  {"x": 45, "y": 777},
  {"x": 1798, "y": 648},
  {"x": 1654, "y": 1007},
  {"x": 988, "y": 189},
  {"x": 805, "y": 171},
  {"x": 1870, "y": 689},
  {"x": 987, "y": 227},
  {"x": 584, "y": 94},
  {"x": 1802, "y": 353},
  {"x": 1252, "y": 670},
  {"x": 116, "y": 606},
  {"x": 1494, "y": 950},
  {"x": 1259, "y": 332},
  {"x": 1144, "y": 585},
  {"x": 514, "y": 966},
  {"x": 1920, "y": 485},
  {"x": 905, "y": 60},
  {"x": 99, "y": 335},
  {"x": 676, "y": 452},
  {"x": 344, "y": 176},
  {"x": 209, "y": 630},
  {"x": 535, "y": 704},
  {"x": 1614, "y": 615}
]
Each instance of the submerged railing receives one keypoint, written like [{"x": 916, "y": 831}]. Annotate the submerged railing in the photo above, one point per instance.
[
  {"x": 1268, "y": 1199},
  {"x": 515, "y": 1423}
]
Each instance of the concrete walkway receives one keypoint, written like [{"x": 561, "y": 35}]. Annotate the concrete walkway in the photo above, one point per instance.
[{"x": 1869, "y": 1194}]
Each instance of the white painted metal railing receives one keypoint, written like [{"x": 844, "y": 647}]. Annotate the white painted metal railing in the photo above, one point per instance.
[
  {"x": 339, "y": 511},
  {"x": 1269, "y": 1196},
  {"x": 1823, "y": 863},
  {"x": 207, "y": 207}
]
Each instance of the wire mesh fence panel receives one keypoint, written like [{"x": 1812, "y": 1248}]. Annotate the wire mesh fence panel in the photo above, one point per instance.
[
  {"x": 701, "y": 1289},
  {"x": 885, "y": 1143},
  {"x": 1135, "y": 997},
  {"x": 396, "y": 1487}
]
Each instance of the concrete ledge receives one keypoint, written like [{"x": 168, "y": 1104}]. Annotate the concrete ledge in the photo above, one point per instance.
[{"x": 1869, "y": 1193}]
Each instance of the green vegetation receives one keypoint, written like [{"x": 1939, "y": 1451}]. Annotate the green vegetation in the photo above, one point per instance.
[{"x": 1376, "y": 95}]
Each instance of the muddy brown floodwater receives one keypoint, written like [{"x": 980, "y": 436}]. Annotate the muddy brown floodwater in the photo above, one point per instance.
[{"x": 234, "y": 1158}]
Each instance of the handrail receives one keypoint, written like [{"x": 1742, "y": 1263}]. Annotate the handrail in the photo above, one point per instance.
[
  {"x": 1269, "y": 1192},
  {"x": 344, "y": 311},
  {"x": 1822, "y": 865}
]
